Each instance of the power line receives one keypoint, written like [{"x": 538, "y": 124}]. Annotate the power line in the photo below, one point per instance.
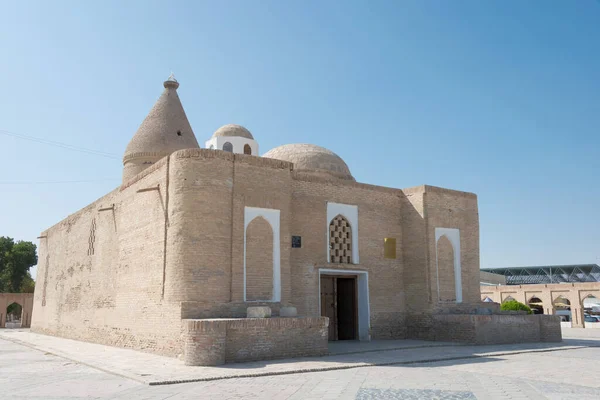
[
  {"x": 60, "y": 144},
  {"x": 55, "y": 182}
]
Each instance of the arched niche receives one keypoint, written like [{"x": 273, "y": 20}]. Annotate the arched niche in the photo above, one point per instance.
[
  {"x": 259, "y": 260},
  {"x": 445, "y": 270},
  {"x": 453, "y": 237},
  {"x": 272, "y": 217}
]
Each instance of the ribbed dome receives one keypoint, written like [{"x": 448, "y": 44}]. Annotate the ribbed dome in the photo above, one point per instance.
[
  {"x": 309, "y": 157},
  {"x": 233, "y": 130}
]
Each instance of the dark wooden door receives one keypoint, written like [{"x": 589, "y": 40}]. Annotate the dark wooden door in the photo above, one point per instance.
[
  {"x": 328, "y": 304},
  {"x": 346, "y": 308}
]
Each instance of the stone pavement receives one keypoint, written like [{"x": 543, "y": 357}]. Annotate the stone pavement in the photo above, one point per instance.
[
  {"x": 568, "y": 372},
  {"x": 155, "y": 370}
]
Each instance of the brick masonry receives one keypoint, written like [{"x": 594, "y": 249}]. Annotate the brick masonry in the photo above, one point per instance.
[
  {"x": 259, "y": 260},
  {"x": 219, "y": 341},
  {"x": 445, "y": 270},
  {"x": 486, "y": 329}
]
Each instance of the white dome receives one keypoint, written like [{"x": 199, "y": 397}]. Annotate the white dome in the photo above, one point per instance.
[{"x": 233, "y": 130}]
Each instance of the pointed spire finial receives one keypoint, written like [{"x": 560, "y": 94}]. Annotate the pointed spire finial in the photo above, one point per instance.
[{"x": 171, "y": 82}]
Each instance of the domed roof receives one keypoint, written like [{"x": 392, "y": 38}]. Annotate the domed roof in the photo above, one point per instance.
[
  {"x": 233, "y": 130},
  {"x": 309, "y": 157},
  {"x": 165, "y": 129}
]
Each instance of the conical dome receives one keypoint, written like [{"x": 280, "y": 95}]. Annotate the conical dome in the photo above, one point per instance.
[{"x": 166, "y": 129}]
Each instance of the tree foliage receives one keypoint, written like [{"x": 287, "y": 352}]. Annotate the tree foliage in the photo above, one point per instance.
[
  {"x": 16, "y": 258},
  {"x": 513, "y": 305},
  {"x": 15, "y": 309}
]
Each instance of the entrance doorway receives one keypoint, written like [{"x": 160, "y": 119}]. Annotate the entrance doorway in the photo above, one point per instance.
[{"x": 339, "y": 303}]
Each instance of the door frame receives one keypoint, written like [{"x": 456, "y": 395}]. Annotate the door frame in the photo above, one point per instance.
[{"x": 362, "y": 298}]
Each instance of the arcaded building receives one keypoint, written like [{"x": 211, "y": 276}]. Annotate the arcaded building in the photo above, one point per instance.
[{"x": 173, "y": 258}]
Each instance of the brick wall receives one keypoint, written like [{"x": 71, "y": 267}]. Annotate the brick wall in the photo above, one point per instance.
[
  {"x": 218, "y": 341},
  {"x": 550, "y": 328},
  {"x": 501, "y": 329},
  {"x": 453, "y": 209},
  {"x": 484, "y": 329},
  {"x": 211, "y": 189},
  {"x": 113, "y": 296},
  {"x": 415, "y": 250},
  {"x": 259, "y": 260},
  {"x": 172, "y": 246},
  {"x": 425, "y": 208},
  {"x": 379, "y": 216}
]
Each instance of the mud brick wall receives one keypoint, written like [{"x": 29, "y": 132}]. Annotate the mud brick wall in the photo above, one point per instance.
[{"x": 100, "y": 272}]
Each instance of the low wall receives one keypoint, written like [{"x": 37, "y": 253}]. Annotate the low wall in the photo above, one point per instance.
[
  {"x": 504, "y": 329},
  {"x": 220, "y": 341},
  {"x": 485, "y": 329}
]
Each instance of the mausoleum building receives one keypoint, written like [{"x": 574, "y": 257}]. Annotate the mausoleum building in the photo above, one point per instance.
[{"x": 175, "y": 259}]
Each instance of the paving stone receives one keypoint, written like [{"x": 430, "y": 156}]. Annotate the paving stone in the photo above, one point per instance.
[{"x": 26, "y": 373}]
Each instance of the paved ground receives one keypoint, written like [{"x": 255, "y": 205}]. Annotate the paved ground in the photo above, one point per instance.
[{"x": 569, "y": 372}]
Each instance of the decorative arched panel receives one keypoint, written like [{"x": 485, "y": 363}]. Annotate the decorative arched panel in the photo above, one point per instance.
[
  {"x": 452, "y": 235},
  {"x": 262, "y": 262},
  {"x": 445, "y": 265},
  {"x": 350, "y": 214},
  {"x": 227, "y": 146},
  {"x": 340, "y": 240},
  {"x": 259, "y": 260}
]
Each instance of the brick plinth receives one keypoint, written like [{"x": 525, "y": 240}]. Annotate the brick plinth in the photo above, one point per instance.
[
  {"x": 204, "y": 341},
  {"x": 485, "y": 329},
  {"x": 219, "y": 341}
]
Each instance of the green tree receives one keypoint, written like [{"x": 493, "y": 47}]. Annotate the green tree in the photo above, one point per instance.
[
  {"x": 28, "y": 284},
  {"x": 15, "y": 261},
  {"x": 513, "y": 305}
]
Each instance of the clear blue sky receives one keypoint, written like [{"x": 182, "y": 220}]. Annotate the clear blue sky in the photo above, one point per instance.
[{"x": 500, "y": 98}]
